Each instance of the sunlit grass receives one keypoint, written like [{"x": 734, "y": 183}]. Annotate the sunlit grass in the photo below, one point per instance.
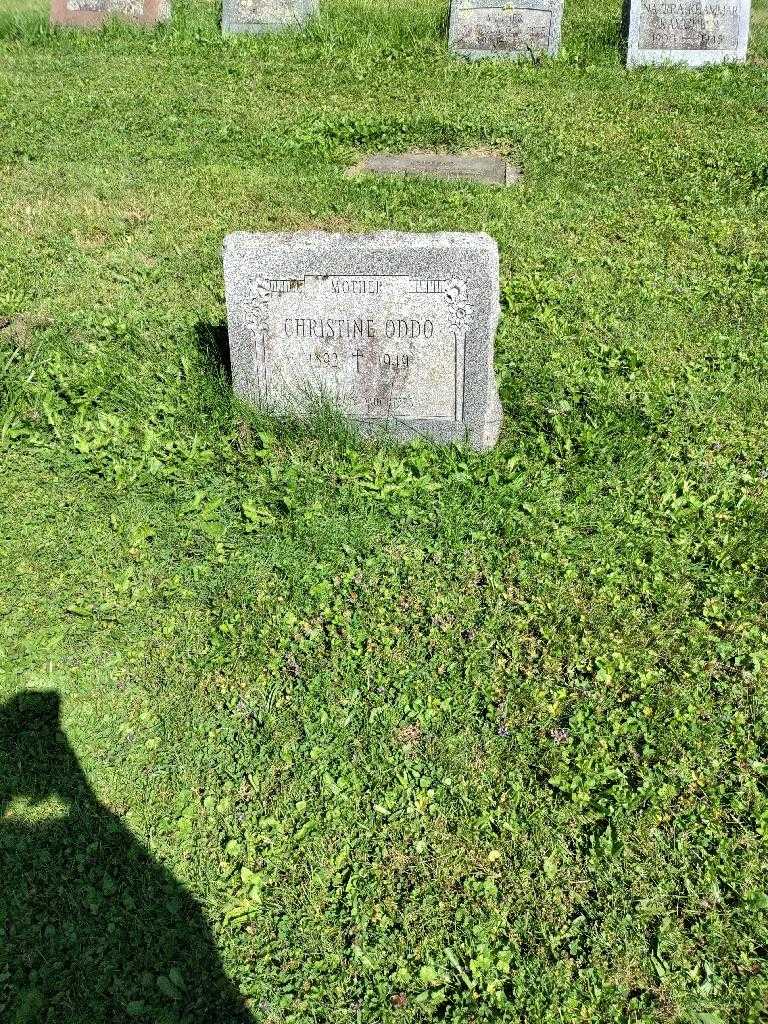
[{"x": 426, "y": 733}]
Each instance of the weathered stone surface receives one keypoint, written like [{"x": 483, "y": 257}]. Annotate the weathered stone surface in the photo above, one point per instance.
[
  {"x": 259, "y": 16},
  {"x": 480, "y": 167},
  {"x": 692, "y": 32},
  {"x": 93, "y": 13},
  {"x": 396, "y": 329},
  {"x": 484, "y": 28}
]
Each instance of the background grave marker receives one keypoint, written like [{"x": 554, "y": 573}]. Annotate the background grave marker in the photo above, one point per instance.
[
  {"x": 257, "y": 16},
  {"x": 482, "y": 28},
  {"x": 483, "y": 168},
  {"x": 93, "y": 13},
  {"x": 692, "y": 32}
]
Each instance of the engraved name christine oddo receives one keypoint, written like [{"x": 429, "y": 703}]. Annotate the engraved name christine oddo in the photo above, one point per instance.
[{"x": 366, "y": 329}]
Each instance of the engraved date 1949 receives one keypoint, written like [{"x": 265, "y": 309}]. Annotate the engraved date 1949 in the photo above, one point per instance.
[{"x": 330, "y": 360}]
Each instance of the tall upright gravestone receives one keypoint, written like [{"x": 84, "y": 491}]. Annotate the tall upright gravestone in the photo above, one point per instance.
[
  {"x": 93, "y": 13},
  {"x": 258, "y": 16},
  {"x": 522, "y": 28},
  {"x": 692, "y": 32},
  {"x": 395, "y": 329}
]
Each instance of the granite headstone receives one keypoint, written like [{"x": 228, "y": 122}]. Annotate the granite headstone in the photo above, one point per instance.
[
  {"x": 258, "y": 16},
  {"x": 482, "y": 28},
  {"x": 692, "y": 32},
  {"x": 395, "y": 329},
  {"x": 93, "y": 13}
]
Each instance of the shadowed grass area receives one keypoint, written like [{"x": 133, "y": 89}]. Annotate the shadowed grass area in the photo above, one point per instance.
[{"x": 424, "y": 734}]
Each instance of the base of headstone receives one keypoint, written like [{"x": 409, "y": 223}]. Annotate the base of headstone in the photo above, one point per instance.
[
  {"x": 394, "y": 329},
  {"x": 517, "y": 30},
  {"x": 258, "y": 17},
  {"x": 694, "y": 33},
  {"x": 95, "y": 13}
]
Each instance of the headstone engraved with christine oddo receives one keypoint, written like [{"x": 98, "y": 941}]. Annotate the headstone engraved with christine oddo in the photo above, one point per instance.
[
  {"x": 692, "y": 32},
  {"x": 523, "y": 28},
  {"x": 257, "y": 16},
  {"x": 394, "y": 329},
  {"x": 93, "y": 13}
]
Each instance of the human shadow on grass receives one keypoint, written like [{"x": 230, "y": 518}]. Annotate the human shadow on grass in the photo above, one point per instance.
[{"x": 92, "y": 929}]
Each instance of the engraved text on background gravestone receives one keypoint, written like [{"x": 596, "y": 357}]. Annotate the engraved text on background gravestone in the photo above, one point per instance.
[{"x": 688, "y": 25}]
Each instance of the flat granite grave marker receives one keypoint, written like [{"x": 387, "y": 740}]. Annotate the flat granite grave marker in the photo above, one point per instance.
[
  {"x": 93, "y": 13},
  {"x": 396, "y": 329},
  {"x": 482, "y": 28},
  {"x": 258, "y": 16},
  {"x": 692, "y": 32},
  {"x": 480, "y": 167}
]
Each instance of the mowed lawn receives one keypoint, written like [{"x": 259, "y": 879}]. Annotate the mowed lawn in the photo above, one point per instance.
[{"x": 381, "y": 733}]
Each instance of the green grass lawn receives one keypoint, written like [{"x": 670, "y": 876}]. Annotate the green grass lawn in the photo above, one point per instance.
[{"x": 382, "y": 733}]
